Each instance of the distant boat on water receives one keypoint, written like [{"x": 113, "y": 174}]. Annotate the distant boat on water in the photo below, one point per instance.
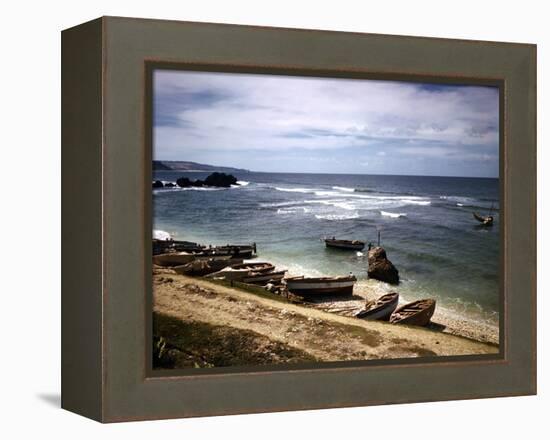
[
  {"x": 354, "y": 245},
  {"x": 484, "y": 220}
]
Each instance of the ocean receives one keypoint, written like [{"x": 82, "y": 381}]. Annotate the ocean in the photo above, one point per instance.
[{"x": 425, "y": 225}]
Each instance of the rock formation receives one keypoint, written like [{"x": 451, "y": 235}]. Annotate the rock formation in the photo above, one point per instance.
[{"x": 380, "y": 268}]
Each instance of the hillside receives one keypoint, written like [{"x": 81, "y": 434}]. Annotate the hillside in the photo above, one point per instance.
[{"x": 177, "y": 165}]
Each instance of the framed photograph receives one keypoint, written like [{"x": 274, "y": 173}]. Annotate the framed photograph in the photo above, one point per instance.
[{"x": 283, "y": 219}]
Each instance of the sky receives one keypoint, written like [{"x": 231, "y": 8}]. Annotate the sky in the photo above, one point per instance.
[{"x": 293, "y": 124}]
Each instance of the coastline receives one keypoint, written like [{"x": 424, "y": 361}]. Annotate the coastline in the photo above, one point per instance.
[{"x": 304, "y": 330}]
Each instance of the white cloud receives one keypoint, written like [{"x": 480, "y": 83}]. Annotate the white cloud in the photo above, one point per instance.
[{"x": 263, "y": 113}]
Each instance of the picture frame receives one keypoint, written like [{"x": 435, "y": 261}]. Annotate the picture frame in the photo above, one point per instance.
[{"x": 107, "y": 222}]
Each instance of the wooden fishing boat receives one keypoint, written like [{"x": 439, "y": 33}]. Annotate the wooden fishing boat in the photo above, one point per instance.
[
  {"x": 255, "y": 267},
  {"x": 263, "y": 278},
  {"x": 381, "y": 309},
  {"x": 230, "y": 274},
  {"x": 415, "y": 313},
  {"x": 229, "y": 251},
  {"x": 484, "y": 220},
  {"x": 174, "y": 258},
  {"x": 202, "y": 267},
  {"x": 180, "y": 258},
  {"x": 170, "y": 245},
  {"x": 303, "y": 286},
  {"x": 354, "y": 245}
]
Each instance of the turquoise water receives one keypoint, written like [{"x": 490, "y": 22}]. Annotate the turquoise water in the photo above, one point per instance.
[{"x": 425, "y": 223}]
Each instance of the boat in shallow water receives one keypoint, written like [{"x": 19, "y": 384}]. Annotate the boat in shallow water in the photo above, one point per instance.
[
  {"x": 381, "y": 309},
  {"x": 303, "y": 286},
  {"x": 354, "y": 245},
  {"x": 415, "y": 313},
  {"x": 254, "y": 267}
]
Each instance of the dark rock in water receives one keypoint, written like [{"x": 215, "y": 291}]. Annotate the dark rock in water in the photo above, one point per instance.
[
  {"x": 184, "y": 182},
  {"x": 169, "y": 185},
  {"x": 221, "y": 180},
  {"x": 380, "y": 268},
  {"x": 158, "y": 184}
]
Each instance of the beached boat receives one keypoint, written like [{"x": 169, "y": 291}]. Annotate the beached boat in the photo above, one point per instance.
[
  {"x": 255, "y": 267},
  {"x": 486, "y": 220},
  {"x": 263, "y": 278},
  {"x": 170, "y": 245},
  {"x": 354, "y": 245},
  {"x": 173, "y": 258},
  {"x": 415, "y": 313},
  {"x": 381, "y": 309},
  {"x": 236, "y": 272},
  {"x": 342, "y": 285},
  {"x": 202, "y": 267},
  {"x": 235, "y": 251},
  {"x": 230, "y": 274}
]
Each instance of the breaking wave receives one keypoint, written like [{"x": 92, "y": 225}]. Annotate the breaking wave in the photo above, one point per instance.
[
  {"x": 417, "y": 202},
  {"x": 343, "y": 188},
  {"x": 334, "y": 217},
  {"x": 392, "y": 214}
]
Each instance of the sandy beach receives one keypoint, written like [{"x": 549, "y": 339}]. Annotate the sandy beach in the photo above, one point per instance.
[
  {"x": 443, "y": 320},
  {"x": 205, "y": 324}
]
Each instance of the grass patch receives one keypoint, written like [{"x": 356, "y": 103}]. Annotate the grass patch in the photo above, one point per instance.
[{"x": 184, "y": 344}]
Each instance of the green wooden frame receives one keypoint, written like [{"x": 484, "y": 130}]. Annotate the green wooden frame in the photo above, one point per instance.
[{"x": 106, "y": 215}]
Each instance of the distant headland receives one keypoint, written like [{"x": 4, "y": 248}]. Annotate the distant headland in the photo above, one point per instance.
[{"x": 178, "y": 165}]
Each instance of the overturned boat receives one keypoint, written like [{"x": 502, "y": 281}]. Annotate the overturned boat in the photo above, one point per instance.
[
  {"x": 303, "y": 286},
  {"x": 354, "y": 245},
  {"x": 416, "y": 313},
  {"x": 486, "y": 220},
  {"x": 381, "y": 309},
  {"x": 237, "y": 272}
]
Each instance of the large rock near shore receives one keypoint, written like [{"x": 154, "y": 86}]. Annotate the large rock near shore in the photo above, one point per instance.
[
  {"x": 380, "y": 268},
  {"x": 221, "y": 180},
  {"x": 184, "y": 182}
]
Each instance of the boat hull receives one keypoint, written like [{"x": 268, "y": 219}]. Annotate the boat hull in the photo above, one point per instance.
[
  {"x": 255, "y": 267},
  {"x": 415, "y": 313},
  {"x": 381, "y": 312},
  {"x": 305, "y": 287},
  {"x": 204, "y": 267},
  {"x": 264, "y": 277},
  {"x": 173, "y": 259},
  {"x": 345, "y": 246}
]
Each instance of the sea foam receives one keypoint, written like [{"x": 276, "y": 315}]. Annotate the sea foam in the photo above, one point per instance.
[{"x": 392, "y": 214}]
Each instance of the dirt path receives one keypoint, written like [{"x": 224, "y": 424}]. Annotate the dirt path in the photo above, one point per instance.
[{"x": 325, "y": 336}]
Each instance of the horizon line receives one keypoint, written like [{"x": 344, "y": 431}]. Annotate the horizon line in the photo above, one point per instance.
[{"x": 309, "y": 172}]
